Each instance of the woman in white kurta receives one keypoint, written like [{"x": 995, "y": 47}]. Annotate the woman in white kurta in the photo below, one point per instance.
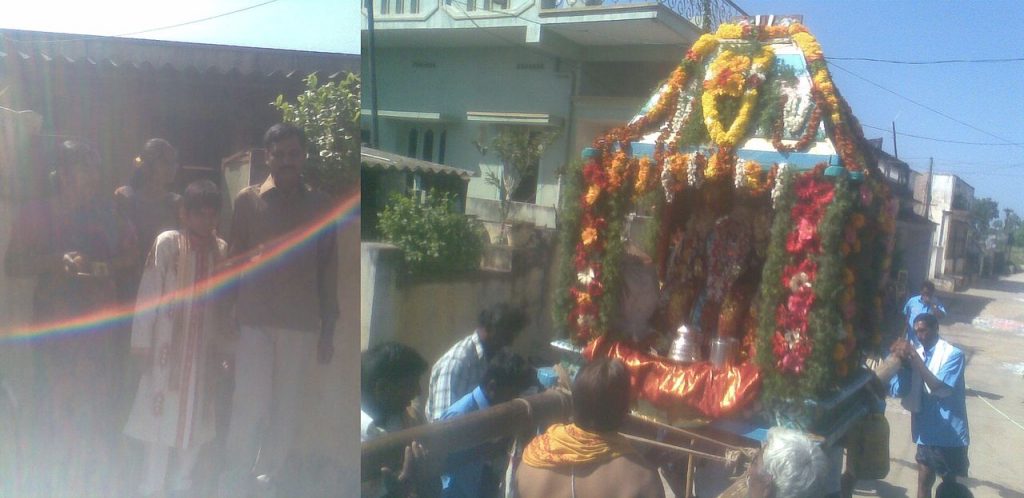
[{"x": 175, "y": 322}]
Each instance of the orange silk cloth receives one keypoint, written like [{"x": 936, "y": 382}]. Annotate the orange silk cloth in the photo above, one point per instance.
[
  {"x": 566, "y": 444},
  {"x": 670, "y": 386}
]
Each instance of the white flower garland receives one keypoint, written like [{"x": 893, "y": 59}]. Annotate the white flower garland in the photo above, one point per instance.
[
  {"x": 694, "y": 174},
  {"x": 777, "y": 188},
  {"x": 740, "y": 177}
]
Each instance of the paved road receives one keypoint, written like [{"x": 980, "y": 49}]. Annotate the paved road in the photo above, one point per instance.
[{"x": 987, "y": 322}]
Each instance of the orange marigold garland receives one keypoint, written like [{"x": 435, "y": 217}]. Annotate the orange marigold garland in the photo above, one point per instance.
[
  {"x": 733, "y": 75},
  {"x": 847, "y": 133},
  {"x": 607, "y": 176},
  {"x": 619, "y": 179}
]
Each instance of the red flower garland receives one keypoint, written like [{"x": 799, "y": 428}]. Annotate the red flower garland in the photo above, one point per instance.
[{"x": 791, "y": 342}]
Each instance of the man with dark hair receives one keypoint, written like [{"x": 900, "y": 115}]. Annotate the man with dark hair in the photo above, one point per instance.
[
  {"x": 466, "y": 473},
  {"x": 925, "y": 302},
  {"x": 460, "y": 369},
  {"x": 286, "y": 309},
  {"x": 932, "y": 386},
  {"x": 589, "y": 458},
  {"x": 389, "y": 380}
]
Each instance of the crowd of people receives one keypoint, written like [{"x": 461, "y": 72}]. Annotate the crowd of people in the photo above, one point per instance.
[
  {"x": 588, "y": 456},
  {"x": 141, "y": 274},
  {"x": 130, "y": 275}
]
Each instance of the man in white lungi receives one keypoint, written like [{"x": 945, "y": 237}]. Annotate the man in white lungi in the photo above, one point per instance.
[{"x": 286, "y": 310}]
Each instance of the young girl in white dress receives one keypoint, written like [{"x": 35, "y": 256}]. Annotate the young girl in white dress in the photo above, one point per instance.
[{"x": 177, "y": 317}]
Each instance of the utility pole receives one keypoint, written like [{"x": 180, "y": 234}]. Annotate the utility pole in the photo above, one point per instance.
[
  {"x": 928, "y": 192},
  {"x": 706, "y": 10},
  {"x": 895, "y": 150},
  {"x": 374, "y": 128}
]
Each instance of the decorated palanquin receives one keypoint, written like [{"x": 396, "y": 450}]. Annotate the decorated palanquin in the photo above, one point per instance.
[{"x": 772, "y": 230}]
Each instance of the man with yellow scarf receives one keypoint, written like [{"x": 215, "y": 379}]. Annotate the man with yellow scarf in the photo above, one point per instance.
[{"x": 589, "y": 458}]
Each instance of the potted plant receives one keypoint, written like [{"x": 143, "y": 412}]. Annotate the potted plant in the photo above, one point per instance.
[{"x": 520, "y": 149}]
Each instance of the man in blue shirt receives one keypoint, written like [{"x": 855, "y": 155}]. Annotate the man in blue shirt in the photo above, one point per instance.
[
  {"x": 932, "y": 386},
  {"x": 507, "y": 376},
  {"x": 925, "y": 302}
]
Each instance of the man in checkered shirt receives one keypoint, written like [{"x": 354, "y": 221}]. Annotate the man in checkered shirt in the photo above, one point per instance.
[{"x": 462, "y": 367}]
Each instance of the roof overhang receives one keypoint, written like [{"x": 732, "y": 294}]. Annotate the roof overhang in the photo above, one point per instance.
[
  {"x": 115, "y": 53},
  {"x": 378, "y": 159}
]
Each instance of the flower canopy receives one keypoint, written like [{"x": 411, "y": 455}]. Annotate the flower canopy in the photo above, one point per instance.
[{"x": 774, "y": 224}]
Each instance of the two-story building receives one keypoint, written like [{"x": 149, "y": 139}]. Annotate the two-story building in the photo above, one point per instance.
[
  {"x": 914, "y": 232},
  {"x": 948, "y": 202},
  {"x": 450, "y": 74}
]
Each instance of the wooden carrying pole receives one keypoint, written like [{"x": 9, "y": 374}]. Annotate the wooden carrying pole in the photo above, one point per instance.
[
  {"x": 504, "y": 420},
  {"x": 441, "y": 438},
  {"x": 886, "y": 370}
]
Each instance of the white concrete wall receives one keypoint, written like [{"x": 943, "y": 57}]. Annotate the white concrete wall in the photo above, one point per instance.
[
  {"x": 431, "y": 315},
  {"x": 914, "y": 241},
  {"x": 15, "y": 312},
  {"x": 942, "y": 195},
  {"x": 330, "y": 426}
]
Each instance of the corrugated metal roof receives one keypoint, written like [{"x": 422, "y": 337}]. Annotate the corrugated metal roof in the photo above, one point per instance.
[
  {"x": 386, "y": 160},
  {"x": 154, "y": 55}
]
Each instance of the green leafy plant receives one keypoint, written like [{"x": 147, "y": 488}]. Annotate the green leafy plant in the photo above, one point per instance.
[
  {"x": 981, "y": 215},
  {"x": 520, "y": 149},
  {"x": 329, "y": 114},
  {"x": 825, "y": 318},
  {"x": 434, "y": 239},
  {"x": 568, "y": 237},
  {"x": 776, "y": 388}
]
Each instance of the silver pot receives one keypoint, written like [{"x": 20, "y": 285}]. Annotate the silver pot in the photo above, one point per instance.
[
  {"x": 686, "y": 346},
  {"x": 723, "y": 351}
]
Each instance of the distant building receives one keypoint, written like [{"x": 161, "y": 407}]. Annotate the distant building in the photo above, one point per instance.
[
  {"x": 451, "y": 73},
  {"x": 948, "y": 202},
  {"x": 913, "y": 231}
]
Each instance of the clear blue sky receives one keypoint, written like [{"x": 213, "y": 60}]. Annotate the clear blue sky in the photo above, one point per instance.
[
  {"x": 315, "y": 25},
  {"x": 989, "y": 97}
]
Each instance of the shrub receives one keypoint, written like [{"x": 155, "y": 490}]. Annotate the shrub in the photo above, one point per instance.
[
  {"x": 329, "y": 114},
  {"x": 434, "y": 240}
]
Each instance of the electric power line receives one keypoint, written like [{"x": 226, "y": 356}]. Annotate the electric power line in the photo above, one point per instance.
[
  {"x": 148, "y": 30},
  {"x": 957, "y": 161},
  {"x": 195, "y": 21},
  {"x": 925, "y": 63},
  {"x": 936, "y": 111},
  {"x": 943, "y": 140}
]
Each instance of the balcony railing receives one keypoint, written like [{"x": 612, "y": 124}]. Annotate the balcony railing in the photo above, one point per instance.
[
  {"x": 706, "y": 14},
  {"x": 411, "y": 8}
]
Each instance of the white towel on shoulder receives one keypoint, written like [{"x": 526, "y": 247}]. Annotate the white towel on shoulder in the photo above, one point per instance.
[{"x": 912, "y": 401}]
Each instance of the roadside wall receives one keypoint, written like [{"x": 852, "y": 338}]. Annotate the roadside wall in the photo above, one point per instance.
[{"x": 432, "y": 314}]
